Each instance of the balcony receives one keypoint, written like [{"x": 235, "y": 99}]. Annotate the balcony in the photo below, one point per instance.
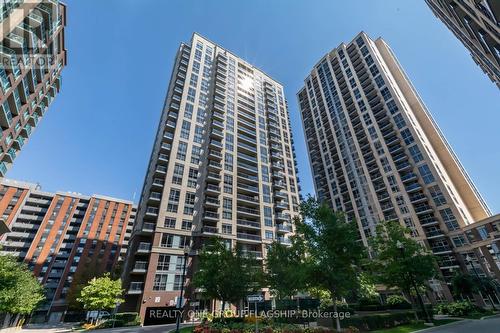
[
  {"x": 213, "y": 202},
  {"x": 209, "y": 230},
  {"x": 148, "y": 227},
  {"x": 408, "y": 177},
  {"x": 216, "y": 144},
  {"x": 158, "y": 183},
  {"x": 252, "y": 254},
  {"x": 279, "y": 185},
  {"x": 249, "y": 178},
  {"x": 140, "y": 267},
  {"x": 211, "y": 216},
  {"x": 280, "y": 195},
  {"x": 284, "y": 228},
  {"x": 248, "y": 223},
  {"x": 413, "y": 187},
  {"x": 247, "y": 211},
  {"x": 143, "y": 247},
  {"x": 423, "y": 209},
  {"x": 212, "y": 189},
  {"x": 441, "y": 250},
  {"x": 214, "y": 177},
  {"x": 283, "y": 240},
  {"x": 282, "y": 217},
  {"x": 417, "y": 197},
  {"x": 403, "y": 166},
  {"x": 247, "y": 167},
  {"x": 281, "y": 205},
  {"x": 434, "y": 234},
  {"x": 246, "y": 236},
  {"x": 212, "y": 165},
  {"x": 248, "y": 199},
  {"x": 135, "y": 288},
  {"x": 152, "y": 211},
  {"x": 248, "y": 188},
  {"x": 214, "y": 154}
]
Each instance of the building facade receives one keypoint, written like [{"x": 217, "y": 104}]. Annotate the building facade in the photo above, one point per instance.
[
  {"x": 63, "y": 237},
  {"x": 222, "y": 165},
  {"x": 32, "y": 56},
  {"x": 377, "y": 154},
  {"x": 476, "y": 23},
  {"x": 478, "y": 245}
]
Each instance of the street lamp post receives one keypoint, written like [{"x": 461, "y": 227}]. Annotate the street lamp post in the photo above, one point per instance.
[
  {"x": 179, "y": 304},
  {"x": 469, "y": 260},
  {"x": 414, "y": 285}
]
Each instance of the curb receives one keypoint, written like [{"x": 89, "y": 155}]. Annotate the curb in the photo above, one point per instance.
[
  {"x": 492, "y": 316},
  {"x": 430, "y": 329}
]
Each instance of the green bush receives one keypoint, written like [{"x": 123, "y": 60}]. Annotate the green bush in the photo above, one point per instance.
[
  {"x": 109, "y": 323},
  {"x": 457, "y": 309},
  {"x": 397, "y": 302},
  {"x": 379, "y": 321}
]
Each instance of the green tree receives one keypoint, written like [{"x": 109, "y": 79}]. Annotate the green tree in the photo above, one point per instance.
[
  {"x": 80, "y": 280},
  {"x": 20, "y": 291},
  {"x": 333, "y": 248},
  {"x": 464, "y": 285},
  {"x": 226, "y": 274},
  {"x": 399, "y": 261},
  {"x": 285, "y": 269},
  {"x": 101, "y": 293}
]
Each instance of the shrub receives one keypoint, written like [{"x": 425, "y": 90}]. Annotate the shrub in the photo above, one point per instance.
[
  {"x": 109, "y": 323},
  {"x": 457, "y": 309},
  {"x": 128, "y": 318},
  {"x": 398, "y": 302},
  {"x": 379, "y": 321}
]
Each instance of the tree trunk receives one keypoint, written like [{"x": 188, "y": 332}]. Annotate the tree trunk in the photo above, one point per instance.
[{"x": 337, "y": 320}]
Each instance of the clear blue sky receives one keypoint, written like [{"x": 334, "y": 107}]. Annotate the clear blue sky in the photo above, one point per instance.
[{"x": 97, "y": 135}]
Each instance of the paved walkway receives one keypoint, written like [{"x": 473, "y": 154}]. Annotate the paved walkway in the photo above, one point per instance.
[
  {"x": 67, "y": 328},
  {"x": 489, "y": 325}
]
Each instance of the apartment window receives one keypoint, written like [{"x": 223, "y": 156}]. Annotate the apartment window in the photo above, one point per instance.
[
  {"x": 169, "y": 222},
  {"x": 198, "y": 134},
  {"x": 374, "y": 70},
  {"x": 269, "y": 234},
  {"x": 181, "y": 151},
  {"x": 449, "y": 219},
  {"x": 229, "y": 142},
  {"x": 483, "y": 232},
  {"x": 191, "y": 95},
  {"x": 265, "y": 173},
  {"x": 173, "y": 200},
  {"x": 174, "y": 241},
  {"x": 415, "y": 153},
  {"x": 178, "y": 173},
  {"x": 164, "y": 282},
  {"x": 268, "y": 216},
  {"x": 437, "y": 195},
  {"x": 163, "y": 263},
  {"x": 399, "y": 120},
  {"x": 189, "y": 203},
  {"x": 186, "y": 225},
  {"x": 228, "y": 184},
  {"x": 393, "y": 108},
  {"x": 364, "y": 50},
  {"x": 194, "y": 80},
  {"x": 228, "y": 162},
  {"x": 227, "y": 207},
  {"x": 195, "y": 154},
  {"x": 385, "y": 164},
  {"x": 186, "y": 127},
  {"x": 386, "y": 94},
  {"x": 227, "y": 229},
  {"x": 192, "y": 177},
  {"x": 407, "y": 137},
  {"x": 188, "y": 111},
  {"x": 379, "y": 81},
  {"x": 266, "y": 193},
  {"x": 459, "y": 240},
  {"x": 426, "y": 173}
]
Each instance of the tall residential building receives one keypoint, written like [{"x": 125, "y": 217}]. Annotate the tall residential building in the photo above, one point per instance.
[
  {"x": 476, "y": 23},
  {"x": 222, "y": 165},
  {"x": 63, "y": 237},
  {"x": 377, "y": 154},
  {"x": 32, "y": 56}
]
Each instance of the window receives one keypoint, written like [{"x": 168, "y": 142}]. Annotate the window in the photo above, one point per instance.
[
  {"x": 459, "y": 240},
  {"x": 386, "y": 94},
  {"x": 407, "y": 137},
  {"x": 369, "y": 60},
  {"x": 229, "y": 142},
  {"x": 228, "y": 184},
  {"x": 393, "y": 108},
  {"x": 186, "y": 225},
  {"x": 227, "y": 208},
  {"x": 266, "y": 193},
  {"x": 195, "y": 154},
  {"x": 189, "y": 203},
  {"x": 228, "y": 162},
  {"x": 415, "y": 153},
  {"x": 186, "y": 127},
  {"x": 163, "y": 263},
  {"x": 174, "y": 241},
  {"x": 399, "y": 120},
  {"x": 268, "y": 216},
  {"x": 379, "y": 81},
  {"x": 269, "y": 234},
  {"x": 192, "y": 177},
  {"x": 173, "y": 200},
  {"x": 426, "y": 174},
  {"x": 169, "y": 222},
  {"x": 449, "y": 219},
  {"x": 437, "y": 195},
  {"x": 374, "y": 70},
  {"x": 178, "y": 173},
  {"x": 188, "y": 111},
  {"x": 181, "y": 151},
  {"x": 227, "y": 229},
  {"x": 198, "y": 134},
  {"x": 483, "y": 232},
  {"x": 191, "y": 94}
]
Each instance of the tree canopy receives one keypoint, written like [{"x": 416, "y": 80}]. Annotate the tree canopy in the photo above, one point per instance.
[
  {"x": 101, "y": 293},
  {"x": 226, "y": 274},
  {"x": 333, "y": 247},
  {"x": 20, "y": 291}
]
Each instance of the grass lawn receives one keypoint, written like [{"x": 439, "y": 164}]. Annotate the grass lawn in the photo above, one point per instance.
[{"x": 414, "y": 327}]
